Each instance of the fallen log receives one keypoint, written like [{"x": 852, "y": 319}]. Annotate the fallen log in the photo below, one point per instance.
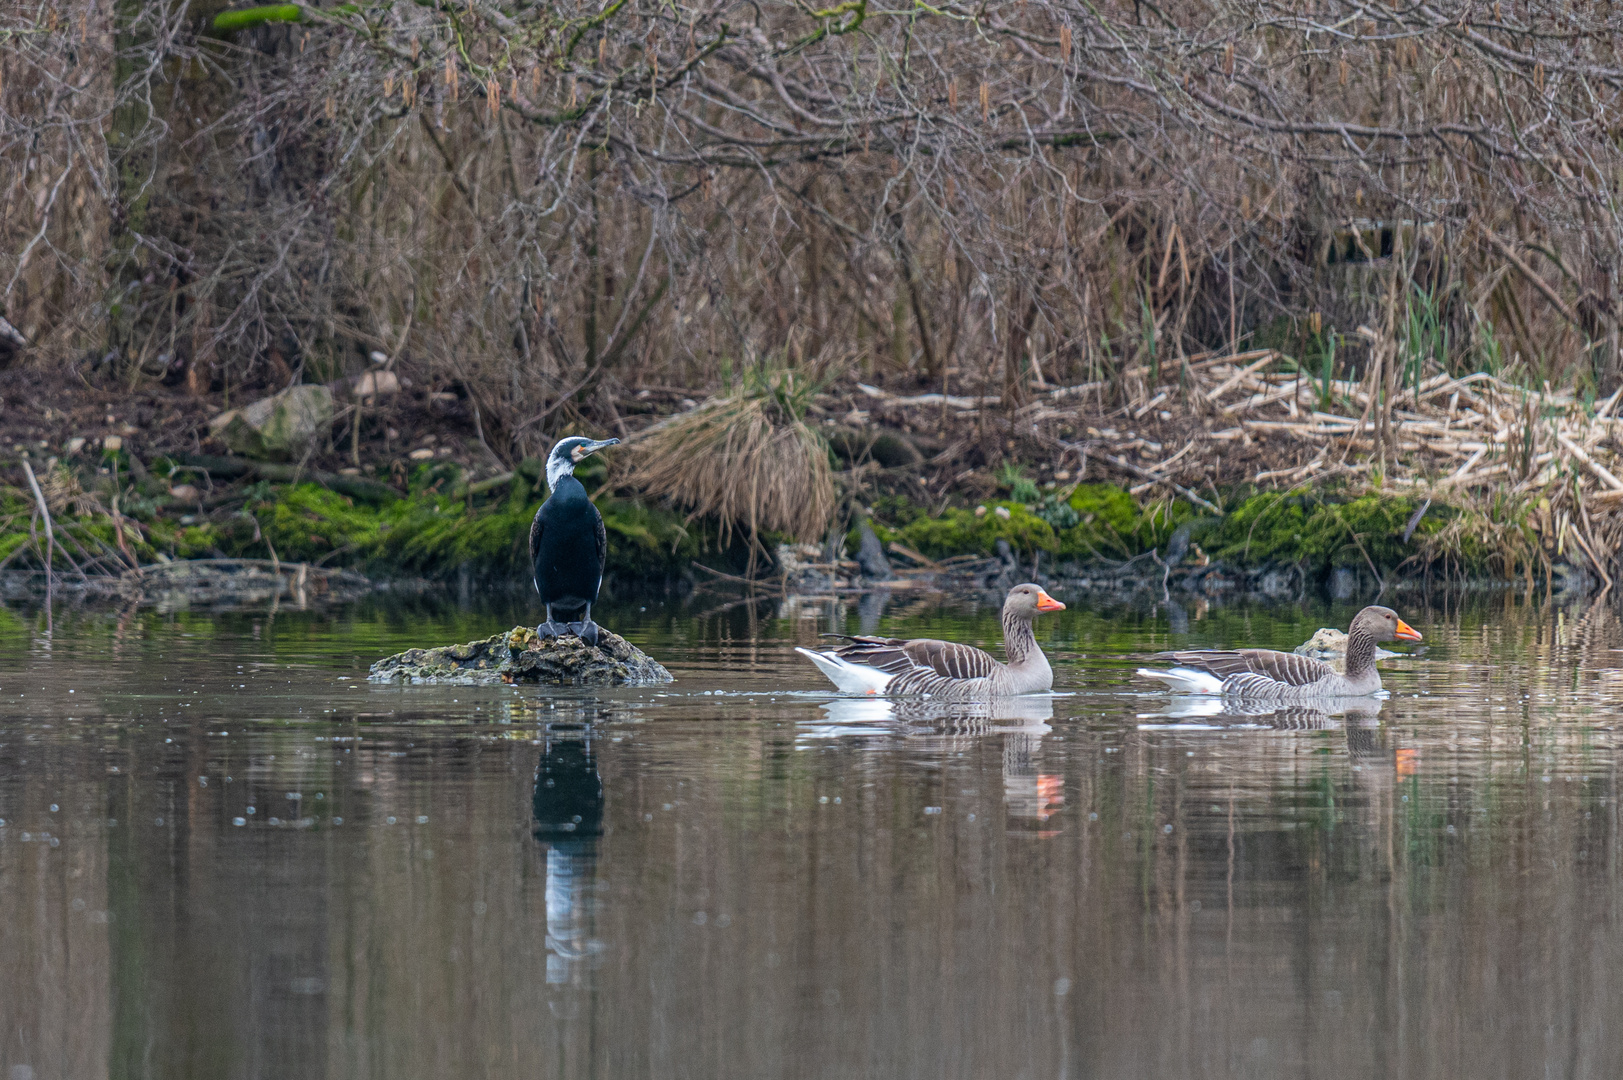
[{"x": 354, "y": 486}]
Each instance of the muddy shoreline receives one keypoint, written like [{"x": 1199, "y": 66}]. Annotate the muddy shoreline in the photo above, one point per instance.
[{"x": 229, "y": 584}]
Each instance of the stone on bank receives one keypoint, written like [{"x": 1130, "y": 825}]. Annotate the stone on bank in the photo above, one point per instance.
[{"x": 281, "y": 427}]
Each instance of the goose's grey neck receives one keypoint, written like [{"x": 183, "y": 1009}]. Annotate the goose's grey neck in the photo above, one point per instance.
[
  {"x": 1360, "y": 652},
  {"x": 1018, "y": 640}
]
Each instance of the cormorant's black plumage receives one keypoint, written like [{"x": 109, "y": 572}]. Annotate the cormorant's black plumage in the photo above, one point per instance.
[
  {"x": 567, "y": 545},
  {"x": 568, "y": 542}
]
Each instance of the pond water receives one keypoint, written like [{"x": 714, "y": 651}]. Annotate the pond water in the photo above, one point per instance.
[{"x": 225, "y": 854}]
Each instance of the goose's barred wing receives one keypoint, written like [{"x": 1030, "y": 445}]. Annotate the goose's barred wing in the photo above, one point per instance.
[
  {"x": 1247, "y": 666},
  {"x": 887, "y": 654},
  {"x": 920, "y": 681},
  {"x": 947, "y": 659},
  {"x": 951, "y": 659}
]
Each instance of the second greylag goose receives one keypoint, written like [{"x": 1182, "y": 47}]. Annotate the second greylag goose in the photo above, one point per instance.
[
  {"x": 1288, "y": 678},
  {"x": 947, "y": 670}
]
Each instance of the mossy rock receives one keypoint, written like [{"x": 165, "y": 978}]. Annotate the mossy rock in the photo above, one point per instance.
[
  {"x": 1114, "y": 524},
  {"x": 522, "y": 656},
  {"x": 1107, "y": 504}
]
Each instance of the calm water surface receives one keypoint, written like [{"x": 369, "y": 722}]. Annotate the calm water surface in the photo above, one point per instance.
[{"x": 225, "y": 854}]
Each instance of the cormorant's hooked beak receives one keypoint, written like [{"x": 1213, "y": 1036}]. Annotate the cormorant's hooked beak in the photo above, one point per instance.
[
  {"x": 1405, "y": 632},
  {"x": 586, "y": 450},
  {"x": 1048, "y": 603}
]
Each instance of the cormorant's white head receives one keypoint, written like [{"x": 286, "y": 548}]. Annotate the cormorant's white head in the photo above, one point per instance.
[{"x": 568, "y": 453}]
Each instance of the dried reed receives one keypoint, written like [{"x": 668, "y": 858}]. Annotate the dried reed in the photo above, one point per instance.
[{"x": 747, "y": 459}]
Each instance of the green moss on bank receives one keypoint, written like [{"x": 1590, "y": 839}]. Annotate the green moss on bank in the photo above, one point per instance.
[
  {"x": 1318, "y": 531},
  {"x": 959, "y": 531},
  {"x": 1300, "y": 527},
  {"x": 431, "y": 532},
  {"x": 1097, "y": 521},
  {"x": 442, "y": 525},
  {"x": 434, "y": 535}
]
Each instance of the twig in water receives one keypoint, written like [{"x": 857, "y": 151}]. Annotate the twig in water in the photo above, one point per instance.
[
  {"x": 50, "y": 534},
  {"x": 1367, "y": 560},
  {"x": 752, "y": 582},
  {"x": 1414, "y": 520},
  {"x": 735, "y": 603}
]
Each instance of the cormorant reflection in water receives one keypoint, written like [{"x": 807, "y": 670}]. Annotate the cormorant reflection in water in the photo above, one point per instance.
[{"x": 568, "y": 810}]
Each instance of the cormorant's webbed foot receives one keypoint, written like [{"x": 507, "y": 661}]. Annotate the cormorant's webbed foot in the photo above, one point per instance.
[
  {"x": 586, "y": 631},
  {"x": 550, "y": 629}
]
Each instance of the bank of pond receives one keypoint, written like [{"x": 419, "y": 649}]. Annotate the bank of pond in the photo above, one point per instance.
[{"x": 439, "y": 522}]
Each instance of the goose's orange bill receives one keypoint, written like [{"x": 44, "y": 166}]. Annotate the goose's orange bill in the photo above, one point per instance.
[
  {"x": 1405, "y": 632},
  {"x": 1048, "y": 603}
]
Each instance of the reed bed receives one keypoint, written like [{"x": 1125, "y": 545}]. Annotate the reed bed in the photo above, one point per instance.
[{"x": 1536, "y": 472}]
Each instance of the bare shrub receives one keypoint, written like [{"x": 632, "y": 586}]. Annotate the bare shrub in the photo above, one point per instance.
[{"x": 548, "y": 205}]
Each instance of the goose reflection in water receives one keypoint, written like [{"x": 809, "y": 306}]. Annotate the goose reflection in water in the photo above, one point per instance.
[
  {"x": 1368, "y": 746},
  {"x": 1029, "y": 794},
  {"x": 924, "y": 716},
  {"x": 568, "y": 812},
  {"x": 1190, "y": 712}
]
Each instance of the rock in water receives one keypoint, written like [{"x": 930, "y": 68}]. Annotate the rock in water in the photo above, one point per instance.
[
  {"x": 871, "y": 553},
  {"x": 1326, "y": 641},
  {"x": 1330, "y": 645},
  {"x": 521, "y": 656}
]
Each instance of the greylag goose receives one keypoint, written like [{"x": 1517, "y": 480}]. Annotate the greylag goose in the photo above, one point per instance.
[
  {"x": 1266, "y": 675},
  {"x": 947, "y": 670}
]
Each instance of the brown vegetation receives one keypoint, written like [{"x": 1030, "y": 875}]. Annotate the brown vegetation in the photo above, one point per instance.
[
  {"x": 551, "y": 210},
  {"x": 549, "y": 204}
]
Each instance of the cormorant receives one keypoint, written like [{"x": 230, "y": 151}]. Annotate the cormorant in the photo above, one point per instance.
[{"x": 567, "y": 541}]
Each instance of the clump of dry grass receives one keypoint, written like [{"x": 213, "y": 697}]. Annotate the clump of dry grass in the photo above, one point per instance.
[
  {"x": 747, "y": 458},
  {"x": 64, "y": 494}
]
